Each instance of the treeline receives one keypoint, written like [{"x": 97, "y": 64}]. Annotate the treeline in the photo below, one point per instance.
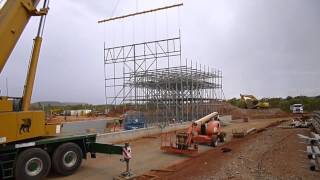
[
  {"x": 309, "y": 103},
  {"x": 60, "y": 108}
]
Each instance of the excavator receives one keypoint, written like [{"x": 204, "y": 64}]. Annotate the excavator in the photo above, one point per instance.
[
  {"x": 251, "y": 102},
  {"x": 30, "y": 146}
]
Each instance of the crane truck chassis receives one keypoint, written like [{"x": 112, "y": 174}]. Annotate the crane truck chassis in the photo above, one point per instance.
[
  {"x": 33, "y": 159},
  {"x": 29, "y": 146}
]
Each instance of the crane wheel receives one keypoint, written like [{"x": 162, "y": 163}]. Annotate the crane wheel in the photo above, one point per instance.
[
  {"x": 214, "y": 140},
  {"x": 33, "y": 163},
  {"x": 67, "y": 158}
]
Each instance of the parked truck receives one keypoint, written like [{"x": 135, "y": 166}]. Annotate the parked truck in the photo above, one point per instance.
[
  {"x": 296, "y": 108},
  {"x": 133, "y": 120}
]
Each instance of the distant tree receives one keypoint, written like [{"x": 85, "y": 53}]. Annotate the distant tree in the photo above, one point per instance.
[{"x": 310, "y": 103}]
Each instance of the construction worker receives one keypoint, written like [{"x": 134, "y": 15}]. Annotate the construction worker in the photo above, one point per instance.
[
  {"x": 173, "y": 120},
  {"x": 116, "y": 123},
  {"x": 126, "y": 152}
]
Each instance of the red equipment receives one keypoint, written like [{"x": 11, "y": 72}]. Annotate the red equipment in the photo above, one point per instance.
[{"x": 206, "y": 130}]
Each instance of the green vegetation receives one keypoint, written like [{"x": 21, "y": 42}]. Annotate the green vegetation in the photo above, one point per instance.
[
  {"x": 58, "y": 107},
  {"x": 309, "y": 103}
]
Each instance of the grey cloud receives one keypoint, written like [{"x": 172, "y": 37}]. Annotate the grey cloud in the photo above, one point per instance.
[{"x": 264, "y": 47}]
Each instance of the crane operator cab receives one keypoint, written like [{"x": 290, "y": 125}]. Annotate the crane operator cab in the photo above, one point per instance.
[{"x": 9, "y": 104}]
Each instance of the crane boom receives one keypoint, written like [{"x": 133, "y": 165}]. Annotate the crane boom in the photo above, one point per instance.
[
  {"x": 28, "y": 88},
  {"x": 206, "y": 118},
  {"x": 14, "y": 16}
]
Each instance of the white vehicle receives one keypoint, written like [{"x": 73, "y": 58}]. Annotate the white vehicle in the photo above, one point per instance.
[{"x": 296, "y": 108}]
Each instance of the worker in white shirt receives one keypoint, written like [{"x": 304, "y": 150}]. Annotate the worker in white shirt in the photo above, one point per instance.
[{"x": 126, "y": 152}]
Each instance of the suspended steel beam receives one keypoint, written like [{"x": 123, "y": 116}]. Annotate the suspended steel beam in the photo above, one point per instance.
[{"x": 141, "y": 12}]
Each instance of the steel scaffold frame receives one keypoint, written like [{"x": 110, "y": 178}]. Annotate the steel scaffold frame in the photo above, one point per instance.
[{"x": 151, "y": 77}]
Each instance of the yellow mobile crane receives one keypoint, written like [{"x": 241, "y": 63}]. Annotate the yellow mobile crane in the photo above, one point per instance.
[
  {"x": 29, "y": 146},
  {"x": 15, "y": 111}
]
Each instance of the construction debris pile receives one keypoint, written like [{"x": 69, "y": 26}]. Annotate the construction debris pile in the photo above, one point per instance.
[{"x": 313, "y": 147}]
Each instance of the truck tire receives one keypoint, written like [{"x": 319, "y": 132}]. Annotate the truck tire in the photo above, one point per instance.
[
  {"x": 32, "y": 164},
  {"x": 222, "y": 137},
  {"x": 214, "y": 140},
  {"x": 66, "y": 159}
]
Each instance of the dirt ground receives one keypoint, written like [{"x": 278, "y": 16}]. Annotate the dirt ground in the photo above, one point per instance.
[
  {"x": 272, "y": 154},
  {"x": 147, "y": 156}
]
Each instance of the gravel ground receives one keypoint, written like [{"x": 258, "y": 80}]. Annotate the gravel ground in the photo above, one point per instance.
[{"x": 271, "y": 154}]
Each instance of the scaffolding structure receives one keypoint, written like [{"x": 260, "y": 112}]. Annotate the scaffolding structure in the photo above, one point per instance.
[{"x": 151, "y": 77}]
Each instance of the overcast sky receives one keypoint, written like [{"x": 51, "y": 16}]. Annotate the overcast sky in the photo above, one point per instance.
[{"x": 268, "y": 48}]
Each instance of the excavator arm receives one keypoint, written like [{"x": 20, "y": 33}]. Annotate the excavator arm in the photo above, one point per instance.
[
  {"x": 246, "y": 96},
  {"x": 251, "y": 102}
]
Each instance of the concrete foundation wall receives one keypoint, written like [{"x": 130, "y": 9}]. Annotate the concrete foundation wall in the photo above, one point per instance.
[
  {"x": 114, "y": 137},
  {"x": 78, "y": 127},
  {"x": 226, "y": 118},
  {"x": 151, "y": 131},
  {"x": 139, "y": 133}
]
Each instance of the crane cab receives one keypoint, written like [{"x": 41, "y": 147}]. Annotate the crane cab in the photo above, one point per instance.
[
  {"x": 6, "y": 105},
  {"x": 17, "y": 125}
]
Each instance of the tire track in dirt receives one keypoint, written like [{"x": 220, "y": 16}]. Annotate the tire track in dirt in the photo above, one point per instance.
[{"x": 266, "y": 154}]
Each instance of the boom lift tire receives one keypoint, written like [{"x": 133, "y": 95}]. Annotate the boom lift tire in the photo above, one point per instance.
[
  {"x": 214, "y": 140},
  {"x": 67, "y": 158},
  {"x": 222, "y": 137},
  {"x": 32, "y": 164}
]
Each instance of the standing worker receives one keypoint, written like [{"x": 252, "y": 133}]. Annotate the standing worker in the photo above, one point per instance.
[
  {"x": 116, "y": 123},
  {"x": 126, "y": 152}
]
